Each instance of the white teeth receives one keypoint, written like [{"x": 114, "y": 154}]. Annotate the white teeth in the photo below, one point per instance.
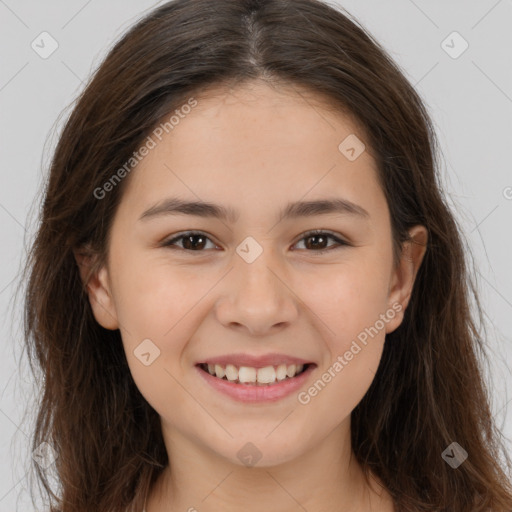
[
  {"x": 266, "y": 375},
  {"x": 249, "y": 375},
  {"x": 281, "y": 372},
  {"x": 290, "y": 371},
  {"x": 219, "y": 371},
  {"x": 246, "y": 374},
  {"x": 231, "y": 372}
]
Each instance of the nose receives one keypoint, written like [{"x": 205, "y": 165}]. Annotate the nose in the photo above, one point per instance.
[{"x": 257, "y": 298}]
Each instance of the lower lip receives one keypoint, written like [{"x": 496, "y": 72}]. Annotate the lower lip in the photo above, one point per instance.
[{"x": 254, "y": 394}]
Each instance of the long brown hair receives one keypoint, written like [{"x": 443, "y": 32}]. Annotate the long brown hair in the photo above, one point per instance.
[{"x": 429, "y": 390}]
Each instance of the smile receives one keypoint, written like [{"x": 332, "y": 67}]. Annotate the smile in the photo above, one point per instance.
[
  {"x": 265, "y": 382},
  {"x": 266, "y": 376}
]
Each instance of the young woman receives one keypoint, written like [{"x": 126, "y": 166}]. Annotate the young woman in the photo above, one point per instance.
[{"x": 247, "y": 291}]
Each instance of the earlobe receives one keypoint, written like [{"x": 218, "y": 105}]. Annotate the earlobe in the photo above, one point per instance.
[
  {"x": 404, "y": 275},
  {"x": 97, "y": 284}
]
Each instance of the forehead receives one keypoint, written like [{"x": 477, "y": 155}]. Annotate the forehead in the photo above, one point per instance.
[
  {"x": 255, "y": 141},
  {"x": 262, "y": 101}
]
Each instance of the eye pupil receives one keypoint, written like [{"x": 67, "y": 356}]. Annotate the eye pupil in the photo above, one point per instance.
[
  {"x": 316, "y": 237},
  {"x": 314, "y": 242},
  {"x": 187, "y": 239}
]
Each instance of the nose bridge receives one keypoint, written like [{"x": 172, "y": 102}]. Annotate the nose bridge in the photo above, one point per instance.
[
  {"x": 257, "y": 297},
  {"x": 253, "y": 270}
]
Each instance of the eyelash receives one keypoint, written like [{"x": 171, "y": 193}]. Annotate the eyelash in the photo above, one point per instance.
[{"x": 171, "y": 243}]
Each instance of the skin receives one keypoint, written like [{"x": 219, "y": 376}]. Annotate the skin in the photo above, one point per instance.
[{"x": 255, "y": 148}]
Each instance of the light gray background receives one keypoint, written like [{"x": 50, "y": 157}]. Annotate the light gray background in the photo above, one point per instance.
[{"x": 469, "y": 98}]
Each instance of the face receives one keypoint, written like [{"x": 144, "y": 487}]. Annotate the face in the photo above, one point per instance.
[{"x": 253, "y": 290}]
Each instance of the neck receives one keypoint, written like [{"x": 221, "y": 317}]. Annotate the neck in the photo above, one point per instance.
[{"x": 317, "y": 480}]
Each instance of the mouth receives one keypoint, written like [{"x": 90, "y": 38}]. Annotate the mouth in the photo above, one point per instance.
[
  {"x": 263, "y": 379},
  {"x": 265, "y": 376}
]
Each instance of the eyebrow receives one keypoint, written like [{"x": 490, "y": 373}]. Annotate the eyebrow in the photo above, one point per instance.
[{"x": 176, "y": 206}]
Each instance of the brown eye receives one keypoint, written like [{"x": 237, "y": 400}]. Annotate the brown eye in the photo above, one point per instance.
[
  {"x": 191, "y": 241},
  {"x": 316, "y": 241}
]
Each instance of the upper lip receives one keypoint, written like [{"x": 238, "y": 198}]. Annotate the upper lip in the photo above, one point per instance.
[{"x": 255, "y": 361}]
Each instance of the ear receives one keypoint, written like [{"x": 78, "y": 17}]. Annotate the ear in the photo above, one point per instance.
[
  {"x": 97, "y": 283},
  {"x": 404, "y": 275}
]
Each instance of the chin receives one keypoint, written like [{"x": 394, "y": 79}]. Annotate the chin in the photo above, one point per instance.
[{"x": 261, "y": 452}]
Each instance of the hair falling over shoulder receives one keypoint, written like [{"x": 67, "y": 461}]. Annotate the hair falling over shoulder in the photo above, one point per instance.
[{"x": 429, "y": 390}]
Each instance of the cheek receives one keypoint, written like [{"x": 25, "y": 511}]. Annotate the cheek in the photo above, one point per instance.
[
  {"x": 165, "y": 304},
  {"x": 349, "y": 298},
  {"x": 353, "y": 315},
  {"x": 353, "y": 309},
  {"x": 153, "y": 298},
  {"x": 161, "y": 304},
  {"x": 341, "y": 385}
]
